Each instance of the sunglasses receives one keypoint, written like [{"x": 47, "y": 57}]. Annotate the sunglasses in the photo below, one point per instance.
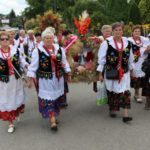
[{"x": 3, "y": 39}]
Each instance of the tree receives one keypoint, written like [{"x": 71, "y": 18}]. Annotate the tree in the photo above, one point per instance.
[
  {"x": 144, "y": 6},
  {"x": 12, "y": 17},
  {"x": 35, "y": 8},
  {"x": 134, "y": 14}
]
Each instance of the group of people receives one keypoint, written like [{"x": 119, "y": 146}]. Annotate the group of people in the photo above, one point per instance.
[
  {"x": 44, "y": 62},
  {"x": 120, "y": 62}
]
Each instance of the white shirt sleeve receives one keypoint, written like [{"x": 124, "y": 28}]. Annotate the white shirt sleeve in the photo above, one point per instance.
[
  {"x": 22, "y": 61},
  {"x": 65, "y": 62},
  {"x": 32, "y": 69},
  {"x": 102, "y": 56},
  {"x": 131, "y": 60}
]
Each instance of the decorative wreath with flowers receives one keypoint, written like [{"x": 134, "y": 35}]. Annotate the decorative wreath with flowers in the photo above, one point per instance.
[{"x": 90, "y": 42}]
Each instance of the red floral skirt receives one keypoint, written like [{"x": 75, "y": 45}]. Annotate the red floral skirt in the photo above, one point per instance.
[
  {"x": 117, "y": 101},
  {"x": 11, "y": 115}
]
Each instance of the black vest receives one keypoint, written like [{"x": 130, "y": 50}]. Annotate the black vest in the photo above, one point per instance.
[
  {"x": 112, "y": 58},
  {"x": 45, "y": 66},
  {"x": 136, "y": 52},
  {"x": 4, "y": 70}
]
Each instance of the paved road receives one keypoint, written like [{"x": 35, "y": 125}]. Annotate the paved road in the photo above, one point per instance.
[{"x": 83, "y": 126}]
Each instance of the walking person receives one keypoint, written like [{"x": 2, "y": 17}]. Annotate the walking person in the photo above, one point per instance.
[
  {"x": 115, "y": 58},
  {"x": 137, "y": 76},
  {"x": 12, "y": 98},
  {"x": 49, "y": 64}
]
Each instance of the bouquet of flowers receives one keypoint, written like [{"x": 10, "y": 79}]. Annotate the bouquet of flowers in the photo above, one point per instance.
[{"x": 82, "y": 24}]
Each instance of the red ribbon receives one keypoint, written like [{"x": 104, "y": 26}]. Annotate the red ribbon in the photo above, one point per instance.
[{"x": 120, "y": 50}]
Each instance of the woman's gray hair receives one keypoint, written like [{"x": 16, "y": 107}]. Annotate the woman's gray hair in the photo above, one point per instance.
[
  {"x": 46, "y": 33},
  {"x": 117, "y": 24},
  {"x": 30, "y": 32},
  {"x": 51, "y": 29},
  {"x": 104, "y": 27}
]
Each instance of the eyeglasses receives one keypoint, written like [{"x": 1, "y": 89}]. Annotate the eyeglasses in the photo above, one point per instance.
[{"x": 3, "y": 39}]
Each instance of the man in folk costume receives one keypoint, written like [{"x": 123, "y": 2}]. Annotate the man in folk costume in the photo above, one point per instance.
[
  {"x": 48, "y": 66},
  {"x": 12, "y": 97},
  {"x": 139, "y": 49},
  {"x": 115, "y": 58}
]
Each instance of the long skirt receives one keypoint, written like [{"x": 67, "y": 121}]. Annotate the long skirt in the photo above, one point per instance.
[
  {"x": 12, "y": 99},
  {"x": 51, "y": 96},
  {"x": 117, "y": 101},
  {"x": 49, "y": 108}
]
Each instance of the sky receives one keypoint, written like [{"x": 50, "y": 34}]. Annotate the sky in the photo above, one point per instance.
[{"x": 17, "y": 5}]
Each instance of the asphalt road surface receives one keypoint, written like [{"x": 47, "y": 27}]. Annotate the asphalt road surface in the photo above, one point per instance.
[{"x": 82, "y": 126}]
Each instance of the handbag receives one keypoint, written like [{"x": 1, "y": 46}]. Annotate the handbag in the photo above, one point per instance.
[{"x": 112, "y": 74}]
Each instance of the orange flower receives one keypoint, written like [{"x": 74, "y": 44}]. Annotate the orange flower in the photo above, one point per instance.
[{"x": 82, "y": 24}]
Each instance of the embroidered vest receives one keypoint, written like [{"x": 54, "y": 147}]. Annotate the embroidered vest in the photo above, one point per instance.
[
  {"x": 4, "y": 70},
  {"x": 112, "y": 58},
  {"x": 136, "y": 52},
  {"x": 45, "y": 66}
]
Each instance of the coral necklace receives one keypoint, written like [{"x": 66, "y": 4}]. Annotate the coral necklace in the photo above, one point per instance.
[
  {"x": 116, "y": 45},
  {"x": 5, "y": 55}
]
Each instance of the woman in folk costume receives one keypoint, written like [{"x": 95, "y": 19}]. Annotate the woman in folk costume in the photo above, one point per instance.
[
  {"x": 21, "y": 39},
  {"x": 64, "y": 103},
  {"x": 38, "y": 39},
  {"x": 11, "y": 87},
  {"x": 12, "y": 41},
  {"x": 29, "y": 45},
  {"x": 115, "y": 58},
  {"x": 49, "y": 63},
  {"x": 106, "y": 32},
  {"x": 137, "y": 75}
]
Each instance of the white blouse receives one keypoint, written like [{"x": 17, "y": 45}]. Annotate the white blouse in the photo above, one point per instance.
[
  {"x": 53, "y": 88},
  {"x": 13, "y": 51},
  {"x": 114, "y": 85},
  {"x": 137, "y": 71}
]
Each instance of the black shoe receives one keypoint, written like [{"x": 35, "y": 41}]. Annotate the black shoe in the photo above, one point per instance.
[
  {"x": 126, "y": 119},
  {"x": 54, "y": 127},
  {"x": 112, "y": 114}
]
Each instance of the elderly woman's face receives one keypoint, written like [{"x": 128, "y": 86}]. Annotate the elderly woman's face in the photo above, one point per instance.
[
  {"x": 4, "y": 40},
  {"x": 22, "y": 33},
  {"x": 48, "y": 40},
  {"x": 107, "y": 32},
  {"x": 136, "y": 33},
  {"x": 11, "y": 37},
  {"x": 118, "y": 32}
]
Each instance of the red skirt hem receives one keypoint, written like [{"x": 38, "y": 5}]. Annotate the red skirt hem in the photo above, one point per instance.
[{"x": 11, "y": 115}]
